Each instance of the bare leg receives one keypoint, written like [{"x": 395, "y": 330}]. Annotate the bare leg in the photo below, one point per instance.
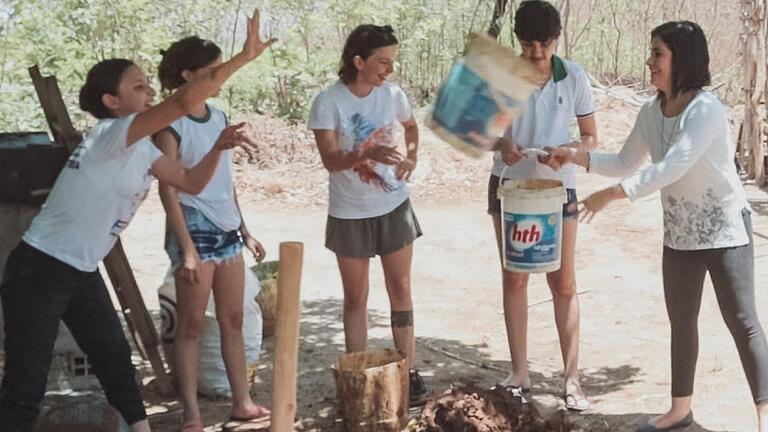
[
  {"x": 562, "y": 284},
  {"x": 397, "y": 276},
  {"x": 515, "y": 292},
  {"x": 141, "y": 426},
  {"x": 228, "y": 286},
  {"x": 191, "y": 300},
  {"x": 354, "y": 277},
  {"x": 762, "y": 416}
]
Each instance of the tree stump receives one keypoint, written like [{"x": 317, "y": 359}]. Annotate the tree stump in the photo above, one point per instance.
[{"x": 372, "y": 391}]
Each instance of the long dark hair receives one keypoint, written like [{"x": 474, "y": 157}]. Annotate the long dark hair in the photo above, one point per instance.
[
  {"x": 690, "y": 56},
  {"x": 190, "y": 54},
  {"x": 103, "y": 78},
  {"x": 363, "y": 40}
]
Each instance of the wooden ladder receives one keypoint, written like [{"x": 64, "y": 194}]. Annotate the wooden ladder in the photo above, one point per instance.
[{"x": 124, "y": 283}]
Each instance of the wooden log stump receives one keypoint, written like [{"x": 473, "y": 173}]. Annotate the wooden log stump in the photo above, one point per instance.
[{"x": 372, "y": 391}]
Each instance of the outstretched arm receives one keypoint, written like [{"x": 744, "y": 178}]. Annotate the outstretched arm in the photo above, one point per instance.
[{"x": 196, "y": 92}]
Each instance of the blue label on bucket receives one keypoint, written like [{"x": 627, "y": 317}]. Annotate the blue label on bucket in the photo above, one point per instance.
[
  {"x": 464, "y": 104},
  {"x": 531, "y": 240}
]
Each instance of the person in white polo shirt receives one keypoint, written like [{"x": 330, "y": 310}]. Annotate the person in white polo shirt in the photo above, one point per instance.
[{"x": 546, "y": 121}]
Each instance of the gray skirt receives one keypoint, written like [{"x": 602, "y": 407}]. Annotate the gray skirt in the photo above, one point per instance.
[{"x": 380, "y": 235}]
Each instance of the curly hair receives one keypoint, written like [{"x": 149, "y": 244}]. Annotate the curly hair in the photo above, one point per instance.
[{"x": 190, "y": 54}]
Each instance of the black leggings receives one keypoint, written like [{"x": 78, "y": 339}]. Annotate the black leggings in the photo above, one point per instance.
[
  {"x": 37, "y": 292},
  {"x": 732, "y": 273}
]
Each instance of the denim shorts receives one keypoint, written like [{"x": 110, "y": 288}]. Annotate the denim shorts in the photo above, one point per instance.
[
  {"x": 570, "y": 209},
  {"x": 211, "y": 242}
]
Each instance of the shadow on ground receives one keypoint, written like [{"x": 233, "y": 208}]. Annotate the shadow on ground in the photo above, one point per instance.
[{"x": 442, "y": 362}]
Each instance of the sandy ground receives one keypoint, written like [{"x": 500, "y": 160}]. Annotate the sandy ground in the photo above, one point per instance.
[{"x": 457, "y": 296}]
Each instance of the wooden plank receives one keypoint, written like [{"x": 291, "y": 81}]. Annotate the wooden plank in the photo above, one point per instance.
[
  {"x": 136, "y": 315},
  {"x": 116, "y": 262},
  {"x": 69, "y": 136},
  {"x": 55, "y": 111}
]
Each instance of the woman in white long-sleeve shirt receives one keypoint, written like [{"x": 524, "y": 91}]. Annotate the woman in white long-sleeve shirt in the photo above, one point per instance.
[{"x": 707, "y": 226}]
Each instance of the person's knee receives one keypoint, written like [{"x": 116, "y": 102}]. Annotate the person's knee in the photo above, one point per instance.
[
  {"x": 400, "y": 294},
  {"x": 190, "y": 328},
  {"x": 230, "y": 321},
  {"x": 354, "y": 302},
  {"x": 563, "y": 287},
  {"x": 514, "y": 281},
  {"x": 743, "y": 327}
]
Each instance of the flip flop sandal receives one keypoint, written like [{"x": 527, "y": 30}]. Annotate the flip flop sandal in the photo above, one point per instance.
[
  {"x": 192, "y": 426},
  {"x": 258, "y": 419},
  {"x": 576, "y": 403},
  {"x": 515, "y": 391}
]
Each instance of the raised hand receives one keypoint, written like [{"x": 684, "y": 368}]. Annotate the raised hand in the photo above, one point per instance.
[
  {"x": 254, "y": 46},
  {"x": 233, "y": 136}
]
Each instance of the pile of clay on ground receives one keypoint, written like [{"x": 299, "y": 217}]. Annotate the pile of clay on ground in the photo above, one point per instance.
[{"x": 473, "y": 409}]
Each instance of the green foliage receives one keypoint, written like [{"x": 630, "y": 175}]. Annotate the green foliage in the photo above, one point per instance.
[{"x": 66, "y": 37}]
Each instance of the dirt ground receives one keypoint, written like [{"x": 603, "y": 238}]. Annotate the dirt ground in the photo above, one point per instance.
[
  {"x": 457, "y": 301},
  {"x": 458, "y": 311}
]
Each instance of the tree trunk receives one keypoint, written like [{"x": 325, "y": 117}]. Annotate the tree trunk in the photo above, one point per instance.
[
  {"x": 498, "y": 11},
  {"x": 565, "y": 13},
  {"x": 752, "y": 133}
]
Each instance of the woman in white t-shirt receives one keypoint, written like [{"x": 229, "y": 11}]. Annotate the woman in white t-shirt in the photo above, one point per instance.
[
  {"x": 52, "y": 275},
  {"x": 369, "y": 211},
  {"x": 548, "y": 114},
  {"x": 204, "y": 240},
  {"x": 707, "y": 226}
]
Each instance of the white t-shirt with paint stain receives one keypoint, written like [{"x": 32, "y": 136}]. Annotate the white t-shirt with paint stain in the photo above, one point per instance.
[
  {"x": 369, "y": 189},
  {"x": 95, "y": 196}
]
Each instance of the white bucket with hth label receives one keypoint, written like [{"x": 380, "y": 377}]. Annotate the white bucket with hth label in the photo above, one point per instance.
[{"x": 532, "y": 224}]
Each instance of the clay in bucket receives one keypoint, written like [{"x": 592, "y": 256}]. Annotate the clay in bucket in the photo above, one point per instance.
[
  {"x": 482, "y": 94},
  {"x": 532, "y": 224}
]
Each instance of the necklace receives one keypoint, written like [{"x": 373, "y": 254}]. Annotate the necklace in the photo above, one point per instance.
[
  {"x": 666, "y": 142},
  {"x": 666, "y": 139}
]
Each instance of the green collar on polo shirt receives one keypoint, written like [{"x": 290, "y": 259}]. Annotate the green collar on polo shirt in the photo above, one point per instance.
[
  {"x": 202, "y": 119},
  {"x": 559, "y": 72}
]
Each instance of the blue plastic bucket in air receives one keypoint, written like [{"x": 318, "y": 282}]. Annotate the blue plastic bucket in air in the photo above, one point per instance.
[{"x": 468, "y": 108}]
